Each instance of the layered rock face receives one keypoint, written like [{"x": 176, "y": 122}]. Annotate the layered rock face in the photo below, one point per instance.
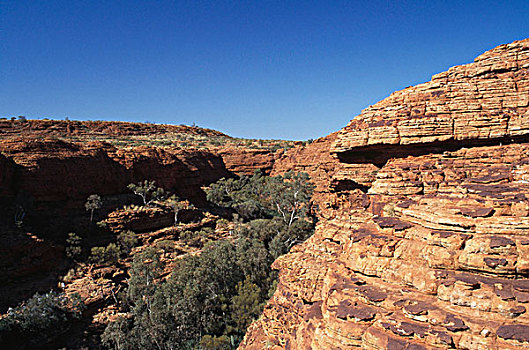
[
  {"x": 239, "y": 156},
  {"x": 243, "y": 161},
  {"x": 59, "y": 161},
  {"x": 423, "y": 238},
  {"x": 466, "y": 105},
  {"x": 60, "y": 175}
]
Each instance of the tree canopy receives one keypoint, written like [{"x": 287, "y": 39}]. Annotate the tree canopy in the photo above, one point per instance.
[
  {"x": 148, "y": 191},
  {"x": 210, "y": 298}
]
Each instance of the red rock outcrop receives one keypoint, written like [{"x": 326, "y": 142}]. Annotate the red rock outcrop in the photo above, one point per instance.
[
  {"x": 239, "y": 156},
  {"x": 244, "y": 161},
  {"x": 427, "y": 247},
  {"x": 314, "y": 158},
  {"x": 59, "y": 171},
  {"x": 484, "y": 100},
  {"x": 147, "y": 219}
]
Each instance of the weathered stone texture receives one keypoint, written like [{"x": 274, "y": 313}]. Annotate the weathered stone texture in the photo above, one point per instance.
[
  {"x": 244, "y": 161},
  {"x": 423, "y": 248},
  {"x": 486, "y": 99},
  {"x": 59, "y": 171}
]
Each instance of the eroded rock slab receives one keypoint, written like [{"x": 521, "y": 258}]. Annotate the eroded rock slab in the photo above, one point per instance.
[{"x": 484, "y": 100}]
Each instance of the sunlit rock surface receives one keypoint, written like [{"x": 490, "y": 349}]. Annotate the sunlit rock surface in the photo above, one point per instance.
[{"x": 423, "y": 238}]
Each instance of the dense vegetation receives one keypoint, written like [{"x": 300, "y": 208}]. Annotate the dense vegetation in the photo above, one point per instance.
[
  {"x": 210, "y": 298},
  {"x": 39, "y": 319},
  {"x": 206, "y": 295}
]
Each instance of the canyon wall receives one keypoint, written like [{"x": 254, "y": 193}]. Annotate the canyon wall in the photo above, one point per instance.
[
  {"x": 60, "y": 175},
  {"x": 48, "y": 168},
  {"x": 51, "y": 179},
  {"x": 60, "y": 163},
  {"x": 423, "y": 237}
]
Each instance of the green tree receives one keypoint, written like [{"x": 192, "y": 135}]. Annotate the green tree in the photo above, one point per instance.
[
  {"x": 93, "y": 203},
  {"x": 39, "y": 320},
  {"x": 146, "y": 270},
  {"x": 150, "y": 326},
  {"x": 260, "y": 196},
  {"x": 127, "y": 240},
  {"x": 116, "y": 334},
  {"x": 290, "y": 195},
  {"x": 177, "y": 205},
  {"x": 246, "y": 304},
  {"x": 148, "y": 191},
  {"x": 254, "y": 260},
  {"x": 73, "y": 246}
]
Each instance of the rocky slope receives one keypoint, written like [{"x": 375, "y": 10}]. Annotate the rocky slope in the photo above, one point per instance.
[
  {"x": 49, "y": 168},
  {"x": 240, "y": 156},
  {"x": 94, "y": 129},
  {"x": 423, "y": 238},
  {"x": 60, "y": 163}
]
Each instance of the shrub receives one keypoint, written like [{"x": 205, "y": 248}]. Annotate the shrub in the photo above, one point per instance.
[
  {"x": 166, "y": 245},
  {"x": 40, "y": 319},
  {"x": 73, "y": 247},
  {"x": 196, "y": 239},
  {"x": 209, "y": 342},
  {"x": 105, "y": 255},
  {"x": 222, "y": 224},
  {"x": 127, "y": 240}
]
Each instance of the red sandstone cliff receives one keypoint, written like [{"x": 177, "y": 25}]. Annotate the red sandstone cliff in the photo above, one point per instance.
[
  {"x": 53, "y": 166},
  {"x": 243, "y": 161},
  {"x": 55, "y": 177},
  {"x": 423, "y": 240},
  {"x": 58, "y": 161},
  {"x": 64, "y": 174}
]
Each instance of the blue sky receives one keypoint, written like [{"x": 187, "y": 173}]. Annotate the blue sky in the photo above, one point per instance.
[{"x": 259, "y": 69}]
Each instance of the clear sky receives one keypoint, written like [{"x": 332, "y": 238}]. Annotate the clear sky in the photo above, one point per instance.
[{"x": 259, "y": 69}]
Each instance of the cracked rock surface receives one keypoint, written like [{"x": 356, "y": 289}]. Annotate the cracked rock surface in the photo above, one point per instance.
[{"x": 423, "y": 237}]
